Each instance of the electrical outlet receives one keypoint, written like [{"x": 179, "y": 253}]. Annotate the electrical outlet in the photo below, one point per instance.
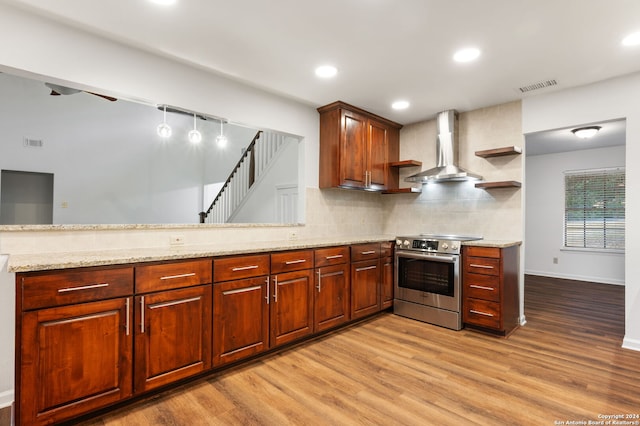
[
  {"x": 293, "y": 236},
  {"x": 176, "y": 240},
  {"x": 555, "y": 260}
]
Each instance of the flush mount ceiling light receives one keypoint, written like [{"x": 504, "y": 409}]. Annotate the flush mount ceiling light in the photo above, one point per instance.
[
  {"x": 466, "y": 55},
  {"x": 164, "y": 130},
  {"x": 326, "y": 71},
  {"x": 400, "y": 105},
  {"x": 586, "y": 132},
  {"x": 221, "y": 140},
  {"x": 632, "y": 39},
  {"x": 163, "y": 2},
  {"x": 194, "y": 135}
]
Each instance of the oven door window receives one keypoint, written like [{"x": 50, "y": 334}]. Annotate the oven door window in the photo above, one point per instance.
[{"x": 425, "y": 275}]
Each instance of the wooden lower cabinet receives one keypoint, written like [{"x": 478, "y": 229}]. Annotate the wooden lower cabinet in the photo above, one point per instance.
[
  {"x": 365, "y": 288},
  {"x": 386, "y": 291},
  {"x": 291, "y": 311},
  {"x": 172, "y": 336},
  {"x": 240, "y": 319},
  {"x": 74, "y": 359},
  {"x": 331, "y": 297}
]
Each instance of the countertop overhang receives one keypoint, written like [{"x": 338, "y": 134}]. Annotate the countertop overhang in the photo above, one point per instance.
[{"x": 65, "y": 260}]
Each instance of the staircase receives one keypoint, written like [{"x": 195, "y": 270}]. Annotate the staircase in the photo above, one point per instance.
[{"x": 253, "y": 164}]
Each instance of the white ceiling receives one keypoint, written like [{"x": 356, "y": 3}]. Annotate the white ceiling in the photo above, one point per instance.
[
  {"x": 612, "y": 133},
  {"x": 384, "y": 49}
]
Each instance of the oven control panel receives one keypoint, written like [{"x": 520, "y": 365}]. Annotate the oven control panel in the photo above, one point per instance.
[{"x": 428, "y": 245}]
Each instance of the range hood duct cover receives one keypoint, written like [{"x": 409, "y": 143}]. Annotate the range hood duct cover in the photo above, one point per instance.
[{"x": 447, "y": 169}]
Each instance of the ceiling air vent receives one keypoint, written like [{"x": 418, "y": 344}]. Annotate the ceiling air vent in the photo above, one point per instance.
[
  {"x": 33, "y": 143},
  {"x": 537, "y": 86}
]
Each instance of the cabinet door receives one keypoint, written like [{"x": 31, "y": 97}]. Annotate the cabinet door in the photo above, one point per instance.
[
  {"x": 291, "y": 306},
  {"x": 365, "y": 288},
  {"x": 378, "y": 159},
  {"x": 240, "y": 319},
  {"x": 353, "y": 150},
  {"x": 74, "y": 359},
  {"x": 331, "y": 300},
  {"x": 173, "y": 336},
  {"x": 387, "y": 283}
]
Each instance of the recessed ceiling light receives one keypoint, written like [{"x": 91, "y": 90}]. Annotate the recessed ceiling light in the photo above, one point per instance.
[
  {"x": 163, "y": 2},
  {"x": 400, "y": 105},
  {"x": 466, "y": 55},
  {"x": 631, "y": 39},
  {"x": 326, "y": 71}
]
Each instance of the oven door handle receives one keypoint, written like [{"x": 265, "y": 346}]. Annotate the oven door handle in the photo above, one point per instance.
[{"x": 433, "y": 257}]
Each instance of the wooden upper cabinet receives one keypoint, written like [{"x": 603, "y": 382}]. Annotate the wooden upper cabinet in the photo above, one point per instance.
[{"x": 356, "y": 148}]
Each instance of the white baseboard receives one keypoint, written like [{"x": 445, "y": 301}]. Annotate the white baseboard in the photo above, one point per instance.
[
  {"x": 6, "y": 398},
  {"x": 633, "y": 344},
  {"x": 575, "y": 277},
  {"x": 523, "y": 320}
]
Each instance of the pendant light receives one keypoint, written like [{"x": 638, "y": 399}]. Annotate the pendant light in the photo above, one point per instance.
[
  {"x": 221, "y": 140},
  {"x": 164, "y": 130},
  {"x": 194, "y": 135}
]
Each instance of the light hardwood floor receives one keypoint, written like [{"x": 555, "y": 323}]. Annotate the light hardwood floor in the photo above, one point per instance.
[{"x": 566, "y": 364}]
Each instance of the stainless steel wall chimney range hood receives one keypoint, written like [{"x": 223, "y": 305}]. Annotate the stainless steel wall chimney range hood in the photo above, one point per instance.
[{"x": 447, "y": 151}]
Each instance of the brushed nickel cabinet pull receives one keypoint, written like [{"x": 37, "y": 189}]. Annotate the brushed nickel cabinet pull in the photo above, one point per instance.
[
  {"x": 244, "y": 268},
  {"x": 127, "y": 316},
  {"x": 268, "y": 296},
  {"x": 335, "y": 256},
  {"x": 174, "y": 302},
  {"x": 83, "y": 287},
  {"x": 142, "y": 315},
  {"x": 171, "y": 277},
  {"x": 482, "y": 287},
  {"x": 480, "y": 266},
  {"x": 241, "y": 290},
  {"x": 275, "y": 289},
  {"x": 293, "y": 262},
  {"x": 369, "y": 252},
  {"x": 366, "y": 268},
  {"x": 319, "y": 286},
  {"x": 486, "y": 314}
]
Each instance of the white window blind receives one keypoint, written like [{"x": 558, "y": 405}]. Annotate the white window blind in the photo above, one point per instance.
[{"x": 594, "y": 208}]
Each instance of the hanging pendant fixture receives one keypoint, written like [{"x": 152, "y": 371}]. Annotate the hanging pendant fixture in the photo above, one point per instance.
[
  {"x": 164, "y": 130},
  {"x": 221, "y": 140},
  {"x": 194, "y": 135}
]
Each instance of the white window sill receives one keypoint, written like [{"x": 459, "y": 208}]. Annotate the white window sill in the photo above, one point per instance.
[{"x": 615, "y": 252}]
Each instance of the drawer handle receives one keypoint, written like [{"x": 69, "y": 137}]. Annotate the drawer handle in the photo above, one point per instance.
[
  {"x": 84, "y": 287},
  {"x": 473, "y": 265},
  {"x": 482, "y": 287},
  {"x": 171, "y": 277},
  {"x": 244, "y": 268},
  {"x": 486, "y": 314},
  {"x": 293, "y": 262},
  {"x": 242, "y": 290},
  {"x": 175, "y": 302},
  {"x": 335, "y": 256},
  {"x": 366, "y": 268},
  {"x": 369, "y": 252}
]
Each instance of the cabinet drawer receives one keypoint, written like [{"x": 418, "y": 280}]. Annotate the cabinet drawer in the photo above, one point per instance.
[
  {"x": 482, "y": 312},
  {"x": 331, "y": 256},
  {"x": 479, "y": 286},
  {"x": 166, "y": 276},
  {"x": 386, "y": 249},
  {"x": 365, "y": 252},
  {"x": 482, "y": 265},
  {"x": 237, "y": 267},
  {"x": 45, "y": 289},
  {"x": 291, "y": 261},
  {"x": 483, "y": 252}
]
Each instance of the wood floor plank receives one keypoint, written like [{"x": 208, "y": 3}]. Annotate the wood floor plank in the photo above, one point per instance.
[{"x": 565, "y": 364}]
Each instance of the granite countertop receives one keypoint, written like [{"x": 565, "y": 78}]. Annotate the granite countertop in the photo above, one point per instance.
[
  {"x": 492, "y": 243},
  {"x": 63, "y": 260}
]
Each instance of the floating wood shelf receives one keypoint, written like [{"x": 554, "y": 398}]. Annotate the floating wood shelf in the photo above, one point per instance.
[
  {"x": 406, "y": 163},
  {"x": 499, "y": 152},
  {"x": 410, "y": 190},
  {"x": 500, "y": 184}
]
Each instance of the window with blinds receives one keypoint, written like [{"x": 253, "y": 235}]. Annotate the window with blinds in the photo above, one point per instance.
[{"x": 594, "y": 209}]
